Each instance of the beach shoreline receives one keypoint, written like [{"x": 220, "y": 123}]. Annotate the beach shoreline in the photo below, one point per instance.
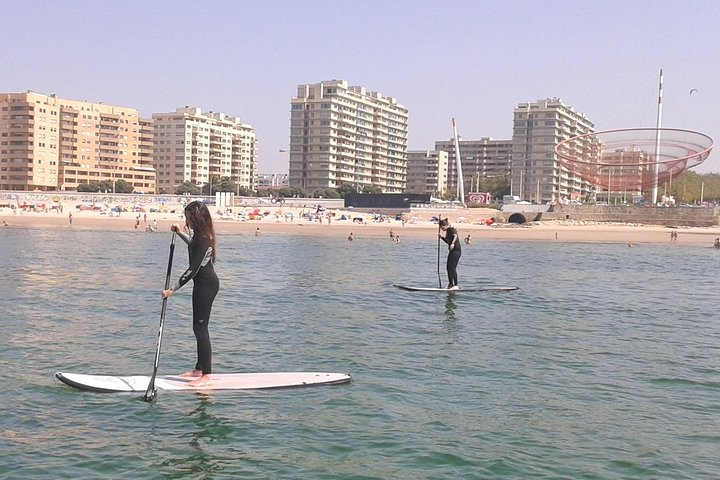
[{"x": 289, "y": 221}]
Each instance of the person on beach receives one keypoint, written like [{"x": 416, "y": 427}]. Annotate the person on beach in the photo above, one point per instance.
[
  {"x": 201, "y": 252},
  {"x": 454, "y": 252}
]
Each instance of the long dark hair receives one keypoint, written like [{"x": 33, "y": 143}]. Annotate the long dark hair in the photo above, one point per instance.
[{"x": 198, "y": 218}]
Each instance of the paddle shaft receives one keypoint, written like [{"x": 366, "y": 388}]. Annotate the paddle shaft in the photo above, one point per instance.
[
  {"x": 150, "y": 392},
  {"x": 438, "y": 255}
]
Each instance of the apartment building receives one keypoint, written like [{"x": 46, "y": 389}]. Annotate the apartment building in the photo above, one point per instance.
[
  {"x": 192, "y": 146},
  {"x": 537, "y": 174},
  {"x": 272, "y": 181},
  {"x": 342, "y": 134},
  {"x": 486, "y": 157},
  {"x": 623, "y": 173},
  {"x": 427, "y": 172},
  {"x": 50, "y": 143}
]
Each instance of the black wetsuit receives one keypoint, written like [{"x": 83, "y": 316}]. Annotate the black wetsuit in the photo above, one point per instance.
[
  {"x": 451, "y": 237},
  {"x": 205, "y": 287}
]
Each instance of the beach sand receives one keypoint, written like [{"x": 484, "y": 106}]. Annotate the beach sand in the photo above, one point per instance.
[{"x": 467, "y": 221}]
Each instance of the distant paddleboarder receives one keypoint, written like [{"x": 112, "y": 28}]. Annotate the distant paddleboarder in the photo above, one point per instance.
[
  {"x": 201, "y": 252},
  {"x": 454, "y": 252}
]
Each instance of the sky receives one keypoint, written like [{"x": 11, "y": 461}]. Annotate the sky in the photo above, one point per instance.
[{"x": 471, "y": 60}]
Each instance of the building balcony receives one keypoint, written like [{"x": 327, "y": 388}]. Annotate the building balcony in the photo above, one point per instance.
[
  {"x": 22, "y": 117},
  {"x": 21, "y": 154},
  {"x": 110, "y": 151},
  {"x": 21, "y": 123},
  {"x": 21, "y": 136}
]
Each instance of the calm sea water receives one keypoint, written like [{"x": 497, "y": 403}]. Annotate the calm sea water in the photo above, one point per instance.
[{"x": 605, "y": 365}]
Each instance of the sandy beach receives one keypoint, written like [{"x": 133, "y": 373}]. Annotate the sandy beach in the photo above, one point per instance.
[{"x": 467, "y": 221}]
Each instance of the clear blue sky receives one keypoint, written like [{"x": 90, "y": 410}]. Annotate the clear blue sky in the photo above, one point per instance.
[{"x": 472, "y": 60}]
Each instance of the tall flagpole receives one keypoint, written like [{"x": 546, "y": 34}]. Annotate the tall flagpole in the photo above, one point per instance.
[
  {"x": 657, "y": 142},
  {"x": 460, "y": 181}
]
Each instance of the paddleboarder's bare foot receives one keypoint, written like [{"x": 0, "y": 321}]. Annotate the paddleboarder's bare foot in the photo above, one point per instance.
[
  {"x": 192, "y": 373},
  {"x": 454, "y": 287},
  {"x": 201, "y": 381}
]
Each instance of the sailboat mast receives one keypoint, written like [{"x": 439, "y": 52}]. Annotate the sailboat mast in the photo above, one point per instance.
[
  {"x": 460, "y": 181},
  {"x": 657, "y": 142}
]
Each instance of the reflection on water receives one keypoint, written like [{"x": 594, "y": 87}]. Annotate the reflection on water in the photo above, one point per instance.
[
  {"x": 206, "y": 436},
  {"x": 450, "y": 306}
]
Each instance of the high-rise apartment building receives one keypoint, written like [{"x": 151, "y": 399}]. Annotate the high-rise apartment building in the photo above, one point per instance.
[
  {"x": 537, "y": 173},
  {"x": 427, "y": 172},
  {"x": 50, "y": 143},
  {"x": 486, "y": 157},
  {"x": 192, "y": 146},
  {"x": 342, "y": 134}
]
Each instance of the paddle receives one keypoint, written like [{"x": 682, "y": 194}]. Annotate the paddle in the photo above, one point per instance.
[
  {"x": 151, "y": 392},
  {"x": 438, "y": 261}
]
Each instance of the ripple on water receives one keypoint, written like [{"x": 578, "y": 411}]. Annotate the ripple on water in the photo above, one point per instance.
[{"x": 591, "y": 370}]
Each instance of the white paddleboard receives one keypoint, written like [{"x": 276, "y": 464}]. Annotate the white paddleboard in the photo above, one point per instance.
[
  {"x": 478, "y": 289},
  {"x": 221, "y": 381}
]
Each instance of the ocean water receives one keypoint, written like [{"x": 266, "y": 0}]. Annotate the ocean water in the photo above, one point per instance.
[{"x": 604, "y": 365}]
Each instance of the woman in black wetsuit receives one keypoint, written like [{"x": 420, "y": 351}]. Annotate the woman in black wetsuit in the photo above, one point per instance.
[
  {"x": 201, "y": 252},
  {"x": 454, "y": 252}
]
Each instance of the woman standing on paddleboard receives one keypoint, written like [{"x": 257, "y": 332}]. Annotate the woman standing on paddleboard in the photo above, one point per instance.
[
  {"x": 454, "y": 252},
  {"x": 201, "y": 252}
]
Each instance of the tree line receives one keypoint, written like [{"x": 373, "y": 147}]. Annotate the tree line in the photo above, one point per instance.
[
  {"x": 227, "y": 185},
  {"x": 689, "y": 187}
]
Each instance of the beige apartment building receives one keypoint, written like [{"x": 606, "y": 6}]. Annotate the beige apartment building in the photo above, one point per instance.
[
  {"x": 342, "y": 134},
  {"x": 622, "y": 173},
  {"x": 537, "y": 173},
  {"x": 271, "y": 181},
  {"x": 192, "y": 146},
  {"x": 50, "y": 143},
  {"x": 427, "y": 172},
  {"x": 483, "y": 158}
]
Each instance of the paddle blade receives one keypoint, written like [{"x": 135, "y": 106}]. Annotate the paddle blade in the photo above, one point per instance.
[{"x": 150, "y": 395}]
